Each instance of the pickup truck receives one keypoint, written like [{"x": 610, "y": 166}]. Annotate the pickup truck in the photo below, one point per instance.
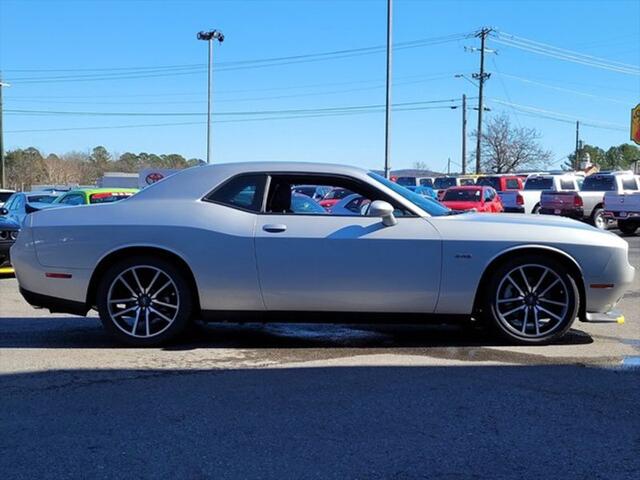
[
  {"x": 625, "y": 208},
  {"x": 501, "y": 183},
  {"x": 588, "y": 203},
  {"x": 527, "y": 200}
]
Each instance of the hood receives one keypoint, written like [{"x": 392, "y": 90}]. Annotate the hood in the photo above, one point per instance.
[{"x": 520, "y": 219}]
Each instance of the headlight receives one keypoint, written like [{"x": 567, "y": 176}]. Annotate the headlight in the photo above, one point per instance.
[{"x": 14, "y": 235}]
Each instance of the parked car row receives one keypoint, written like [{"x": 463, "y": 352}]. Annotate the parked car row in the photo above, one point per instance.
[
  {"x": 588, "y": 203},
  {"x": 599, "y": 199}
]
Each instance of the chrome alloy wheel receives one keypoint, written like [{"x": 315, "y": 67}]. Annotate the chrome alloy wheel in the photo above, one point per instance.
[
  {"x": 532, "y": 301},
  {"x": 143, "y": 301}
]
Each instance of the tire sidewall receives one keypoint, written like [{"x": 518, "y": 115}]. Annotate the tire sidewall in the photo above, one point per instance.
[
  {"x": 184, "y": 293},
  {"x": 491, "y": 291},
  {"x": 598, "y": 213},
  {"x": 626, "y": 227}
]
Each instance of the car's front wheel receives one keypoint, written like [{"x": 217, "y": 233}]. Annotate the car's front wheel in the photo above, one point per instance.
[
  {"x": 532, "y": 300},
  {"x": 144, "y": 301}
]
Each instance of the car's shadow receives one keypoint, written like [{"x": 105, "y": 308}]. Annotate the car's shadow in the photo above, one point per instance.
[{"x": 77, "y": 332}]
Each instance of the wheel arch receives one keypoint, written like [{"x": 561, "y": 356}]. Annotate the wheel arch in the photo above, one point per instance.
[
  {"x": 135, "y": 250},
  {"x": 564, "y": 258},
  {"x": 596, "y": 207}
]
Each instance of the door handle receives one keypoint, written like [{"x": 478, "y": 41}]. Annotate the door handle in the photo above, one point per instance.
[{"x": 274, "y": 228}]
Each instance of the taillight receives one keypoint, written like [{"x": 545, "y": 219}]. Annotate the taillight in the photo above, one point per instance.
[
  {"x": 520, "y": 200},
  {"x": 577, "y": 201}
]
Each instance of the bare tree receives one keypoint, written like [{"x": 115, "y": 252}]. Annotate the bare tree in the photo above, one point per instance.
[
  {"x": 58, "y": 171},
  {"x": 506, "y": 148},
  {"x": 420, "y": 165}
]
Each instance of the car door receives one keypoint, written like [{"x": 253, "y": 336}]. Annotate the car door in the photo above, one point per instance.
[{"x": 358, "y": 264}]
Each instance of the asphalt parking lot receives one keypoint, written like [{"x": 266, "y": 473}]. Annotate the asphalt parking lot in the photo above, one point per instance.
[{"x": 301, "y": 401}]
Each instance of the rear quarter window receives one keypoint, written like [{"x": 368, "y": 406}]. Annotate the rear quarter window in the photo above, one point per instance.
[
  {"x": 567, "y": 184},
  {"x": 244, "y": 192},
  {"x": 629, "y": 184}
]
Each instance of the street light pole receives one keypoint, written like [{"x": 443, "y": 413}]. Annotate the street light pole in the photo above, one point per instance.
[
  {"x": 464, "y": 134},
  {"x": 210, "y": 36},
  {"x": 387, "y": 124},
  {"x": 481, "y": 77},
  {"x": 2, "y": 164}
]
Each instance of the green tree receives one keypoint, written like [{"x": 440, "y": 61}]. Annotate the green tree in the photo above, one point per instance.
[
  {"x": 24, "y": 168},
  {"x": 621, "y": 157}
]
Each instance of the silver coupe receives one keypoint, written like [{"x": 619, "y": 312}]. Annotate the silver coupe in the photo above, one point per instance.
[{"x": 222, "y": 242}]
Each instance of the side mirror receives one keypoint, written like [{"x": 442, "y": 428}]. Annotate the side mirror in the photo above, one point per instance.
[
  {"x": 384, "y": 210},
  {"x": 4, "y": 211}
]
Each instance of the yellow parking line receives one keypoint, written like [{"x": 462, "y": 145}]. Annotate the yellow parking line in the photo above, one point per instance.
[{"x": 5, "y": 270}]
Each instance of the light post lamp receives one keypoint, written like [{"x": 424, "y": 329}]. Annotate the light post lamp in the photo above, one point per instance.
[
  {"x": 3, "y": 176},
  {"x": 210, "y": 36}
]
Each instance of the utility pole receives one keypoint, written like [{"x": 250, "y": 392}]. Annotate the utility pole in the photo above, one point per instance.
[
  {"x": 387, "y": 124},
  {"x": 2, "y": 164},
  {"x": 481, "y": 77},
  {"x": 210, "y": 37},
  {"x": 449, "y": 166},
  {"x": 576, "y": 160},
  {"x": 464, "y": 134}
]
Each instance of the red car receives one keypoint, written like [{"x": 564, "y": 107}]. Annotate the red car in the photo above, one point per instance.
[
  {"x": 480, "y": 198},
  {"x": 333, "y": 197}
]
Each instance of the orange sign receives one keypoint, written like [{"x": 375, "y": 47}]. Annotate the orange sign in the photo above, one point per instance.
[{"x": 635, "y": 124}]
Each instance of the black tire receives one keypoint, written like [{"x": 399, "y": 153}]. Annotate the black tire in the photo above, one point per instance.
[
  {"x": 536, "y": 210},
  {"x": 627, "y": 227},
  {"x": 565, "y": 289},
  {"x": 178, "y": 294},
  {"x": 598, "y": 219}
]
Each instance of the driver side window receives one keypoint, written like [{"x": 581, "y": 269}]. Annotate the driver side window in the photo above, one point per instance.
[{"x": 344, "y": 197}]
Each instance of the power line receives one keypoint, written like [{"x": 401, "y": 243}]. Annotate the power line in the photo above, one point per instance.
[
  {"x": 149, "y": 72},
  {"x": 559, "y": 116},
  {"x": 241, "y": 120},
  {"x": 232, "y": 100},
  {"x": 563, "y": 54},
  {"x": 191, "y": 114},
  {"x": 562, "y": 89}
]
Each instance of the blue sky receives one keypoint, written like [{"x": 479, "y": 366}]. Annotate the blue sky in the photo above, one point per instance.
[{"x": 70, "y": 56}]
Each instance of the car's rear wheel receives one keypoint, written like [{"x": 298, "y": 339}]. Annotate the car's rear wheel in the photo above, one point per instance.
[
  {"x": 532, "y": 300},
  {"x": 536, "y": 209},
  {"x": 598, "y": 219},
  {"x": 627, "y": 227},
  {"x": 144, "y": 301}
]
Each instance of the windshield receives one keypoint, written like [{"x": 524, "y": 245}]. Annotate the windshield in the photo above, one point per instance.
[
  {"x": 444, "y": 182},
  {"x": 4, "y": 196},
  {"x": 539, "y": 183},
  {"x": 406, "y": 181},
  {"x": 455, "y": 195},
  {"x": 430, "y": 206},
  {"x": 490, "y": 182},
  {"x": 41, "y": 198},
  {"x": 598, "y": 183}
]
